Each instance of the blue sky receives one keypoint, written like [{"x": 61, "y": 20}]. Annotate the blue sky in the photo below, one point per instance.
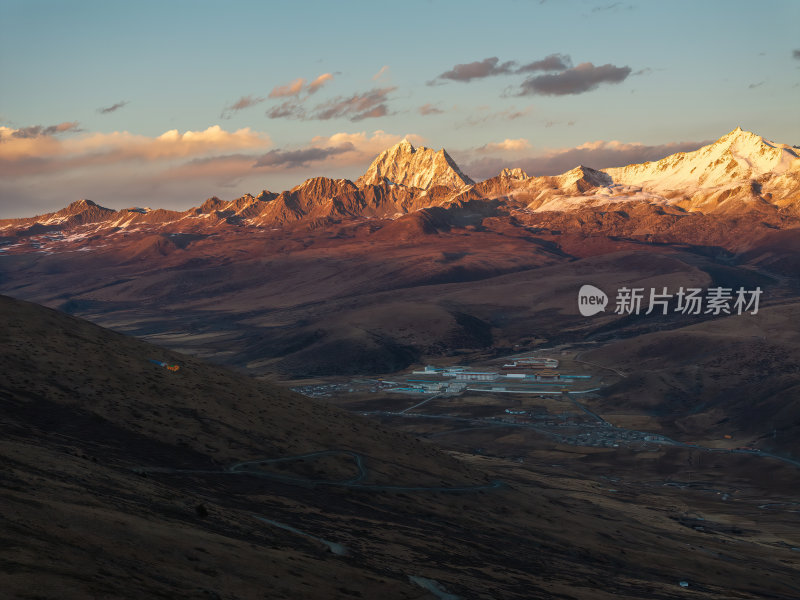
[{"x": 663, "y": 76}]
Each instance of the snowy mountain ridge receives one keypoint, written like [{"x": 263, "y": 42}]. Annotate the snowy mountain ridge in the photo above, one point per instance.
[
  {"x": 737, "y": 156},
  {"x": 738, "y": 174}
]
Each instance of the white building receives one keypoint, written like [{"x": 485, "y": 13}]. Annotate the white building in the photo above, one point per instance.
[{"x": 475, "y": 376}]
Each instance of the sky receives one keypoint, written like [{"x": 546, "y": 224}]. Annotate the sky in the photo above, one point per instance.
[{"x": 166, "y": 103}]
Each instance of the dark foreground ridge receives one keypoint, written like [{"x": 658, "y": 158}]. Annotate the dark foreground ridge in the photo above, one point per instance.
[{"x": 395, "y": 517}]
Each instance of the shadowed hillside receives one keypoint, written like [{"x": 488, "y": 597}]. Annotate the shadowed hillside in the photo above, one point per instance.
[{"x": 123, "y": 478}]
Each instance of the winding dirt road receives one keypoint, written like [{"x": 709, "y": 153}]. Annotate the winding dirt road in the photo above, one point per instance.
[{"x": 246, "y": 468}]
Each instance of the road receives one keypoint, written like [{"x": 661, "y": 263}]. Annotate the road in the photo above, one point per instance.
[
  {"x": 420, "y": 403},
  {"x": 590, "y": 412},
  {"x": 599, "y": 366},
  {"x": 334, "y": 547},
  {"x": 243, "y": 468}
]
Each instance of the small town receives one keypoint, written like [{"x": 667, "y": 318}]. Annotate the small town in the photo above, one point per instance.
[{"x": 532, "y": 392}]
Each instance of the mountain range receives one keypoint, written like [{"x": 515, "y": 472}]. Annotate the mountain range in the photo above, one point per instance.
[
  {"x": 335, "y": 277},
  {"x": 739, "y": 174}
]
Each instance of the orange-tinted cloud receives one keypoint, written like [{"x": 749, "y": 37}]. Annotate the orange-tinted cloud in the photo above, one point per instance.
[
  {"x": 381, "y": 72},
  {"x": 351, "y": 152},
  {"x": 429, "y": 109},
  {"x": 294, "y": 105},
  {"x": 357, "y": 107},
  {"x": 35, "y": 131},
  {"x": 507, "y": 145},
  {"x": 173, "y": 170},
  {"x": 290, "y": 89},
  {"x": 319, "y": 82},
  {"x": 208, "y": 153},
  {"x": 364, "y": 105},
  {"x": 364, "y": 147},
  {"x": 26, "y": 155}
]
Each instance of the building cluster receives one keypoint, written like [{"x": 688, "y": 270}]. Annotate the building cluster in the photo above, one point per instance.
[
  {"x": 533, "y": 362},
  {"x": 537, "y": 375},
  {"x": 529, "y": 375},
  {"x": 421, "y": 386}
]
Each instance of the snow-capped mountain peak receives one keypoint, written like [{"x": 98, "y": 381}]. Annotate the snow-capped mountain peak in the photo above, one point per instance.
[
  {"x": 405, "y": 165},
  {"x": 736, "y": 157}
]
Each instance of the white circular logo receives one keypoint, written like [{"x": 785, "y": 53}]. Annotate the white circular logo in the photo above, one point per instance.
[{"x": 591, "y": 300}]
